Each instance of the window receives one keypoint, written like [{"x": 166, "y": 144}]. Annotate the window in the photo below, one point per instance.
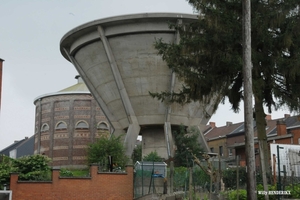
[
  {"x": 221, "y": 150},
  {"x": 82, "y": 125},
  {"x": 61, "y": 125},
  {"x": 212, "y": 149},
  {"x": 229, "y": 152},
  {"x": 102, "y": 126},
  {"x": 45, "y": 127}
]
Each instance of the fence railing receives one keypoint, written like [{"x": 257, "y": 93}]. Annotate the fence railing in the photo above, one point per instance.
[{"x": 196, "y": 180}]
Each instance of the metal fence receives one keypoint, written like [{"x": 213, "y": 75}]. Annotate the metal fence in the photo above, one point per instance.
[{"x": 225, "y": 178}]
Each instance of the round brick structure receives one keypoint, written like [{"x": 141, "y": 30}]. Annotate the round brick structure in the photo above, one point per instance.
[{"x": 65, "y": 123}]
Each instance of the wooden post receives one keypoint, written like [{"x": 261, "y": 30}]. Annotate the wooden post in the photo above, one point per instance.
[
  {"x": 274, "y": 169},
  {"x": 191, "y": 183},
  {"x": 237, "y": 176}
]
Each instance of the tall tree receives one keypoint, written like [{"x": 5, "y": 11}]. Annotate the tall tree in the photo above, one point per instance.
[
  {"x": 104, "y": 147},
  {"x": 209, "y": 57},
  {"x": 187, "y": 145},
  {"x": 137, "y": 153}
]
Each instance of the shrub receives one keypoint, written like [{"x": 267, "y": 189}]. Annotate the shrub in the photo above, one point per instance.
[
  {"x": 99, "y": 151},
  {"x": 65, "y": 173},
  {"x": 229, "y": 177},
  {"x": 295, "y": 190},
  {"x": 34, "y": 167},
  {"x": 152, "y": 156}
]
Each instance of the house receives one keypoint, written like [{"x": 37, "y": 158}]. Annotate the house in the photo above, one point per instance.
[
  {"x": 216, "y": 138},
  {"x": 229, "y": 140},
  {"x": 19, "y": 148}
]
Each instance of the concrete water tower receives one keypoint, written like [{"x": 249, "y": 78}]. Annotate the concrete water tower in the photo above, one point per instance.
[{"x": 118, "y": 62}]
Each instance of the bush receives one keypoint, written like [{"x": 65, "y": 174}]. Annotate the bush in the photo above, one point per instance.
[
  {"x": 229, "y": 177},
  {"x": 295, "y": 191},
  {"x": 6, "y": 167},
  {"x": 65, "y": 173},
  {"x": 137, "y": 153},
  {"x": 200, "y": 177},
  {"x": 34, "y": 167},
  {"x": 180, "y": 177},
  {"x": 153, "y": 157},
  {"x": 99, "y": 151},
  {"x": 232, "y": 195}
]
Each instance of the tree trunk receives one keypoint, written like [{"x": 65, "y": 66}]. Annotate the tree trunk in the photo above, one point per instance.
[
  {"x": 249, "y": 135},
  {"x": 262, "y": 142}
]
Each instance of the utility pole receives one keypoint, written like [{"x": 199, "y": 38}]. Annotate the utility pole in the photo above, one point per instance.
[{"x": 248, "y": 112}]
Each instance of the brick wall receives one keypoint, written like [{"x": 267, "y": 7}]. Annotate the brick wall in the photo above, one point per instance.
[
  {"x": 100, "y": 186},
  {"x": 66, "y": 146}
]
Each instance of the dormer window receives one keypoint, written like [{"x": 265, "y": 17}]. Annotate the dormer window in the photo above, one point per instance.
[
  {"x": 61, "y": 125},
  {"x": 45, "y": 127},
  {"x": 102, "y": 126},
  {"x": 82, "y": 125}
]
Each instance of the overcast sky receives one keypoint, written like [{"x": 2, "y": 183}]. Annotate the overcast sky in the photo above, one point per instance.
[{"x": 29, "y": 43}]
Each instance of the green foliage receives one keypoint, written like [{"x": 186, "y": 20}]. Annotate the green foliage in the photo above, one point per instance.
[
  {"x": 209, "y": 56},
  {"x": 80, "y": 172},
  {"x": 232, "y": 195},
  {"x": 295, "y": 192},
  {"x": 137, "y": 153},
  {"x": 99, "y": 151},
  {"x": 152, "y": 156},
  {"x": 6, "y": 167},
  {"x": 180, "y": 177},
  {"x": 186, "y": 141},
  {"x": 70, "y": 172},
  {"x": 34, "y": 167},
  {"x": 230, "y": 174},
  {"x": 65, "y": 173},
  {"x": 200, "y": 177},
  {"x": 294, "y": 189},
  {"x": 260, "y": 187}
]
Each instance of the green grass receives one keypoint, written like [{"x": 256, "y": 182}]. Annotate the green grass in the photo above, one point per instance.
[{"x": 74, "y": 172}]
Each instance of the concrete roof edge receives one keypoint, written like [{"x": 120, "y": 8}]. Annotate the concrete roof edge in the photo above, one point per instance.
[
  {"x": 119, "y": 18},
  {"x": 59, "y": 93}
]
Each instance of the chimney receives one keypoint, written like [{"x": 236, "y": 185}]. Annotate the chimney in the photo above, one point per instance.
[
  {"x": 268, "y": 117},
  {"x": 286, "y": 116},
  {"x": 281, "y": 127},
  {"x": 228, "y": 123},
  {"x": 1, "y": 62},
  {"x": 212, "y": 124},
  {"x": 79, "y": 79}
]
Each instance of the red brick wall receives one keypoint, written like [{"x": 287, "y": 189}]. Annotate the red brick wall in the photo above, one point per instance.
[
  {"x": 296, "y": 134},
  {"x": 100, "y": 186},
  {"x": 281, "y": 127}
]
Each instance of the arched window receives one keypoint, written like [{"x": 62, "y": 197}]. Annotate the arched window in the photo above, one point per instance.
[
  {"x": 102, "y": 126},
  {"x": 45, "y": 127},
  {"x": 82, "y": 125},
  {"x": 61, "y": 125}
]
